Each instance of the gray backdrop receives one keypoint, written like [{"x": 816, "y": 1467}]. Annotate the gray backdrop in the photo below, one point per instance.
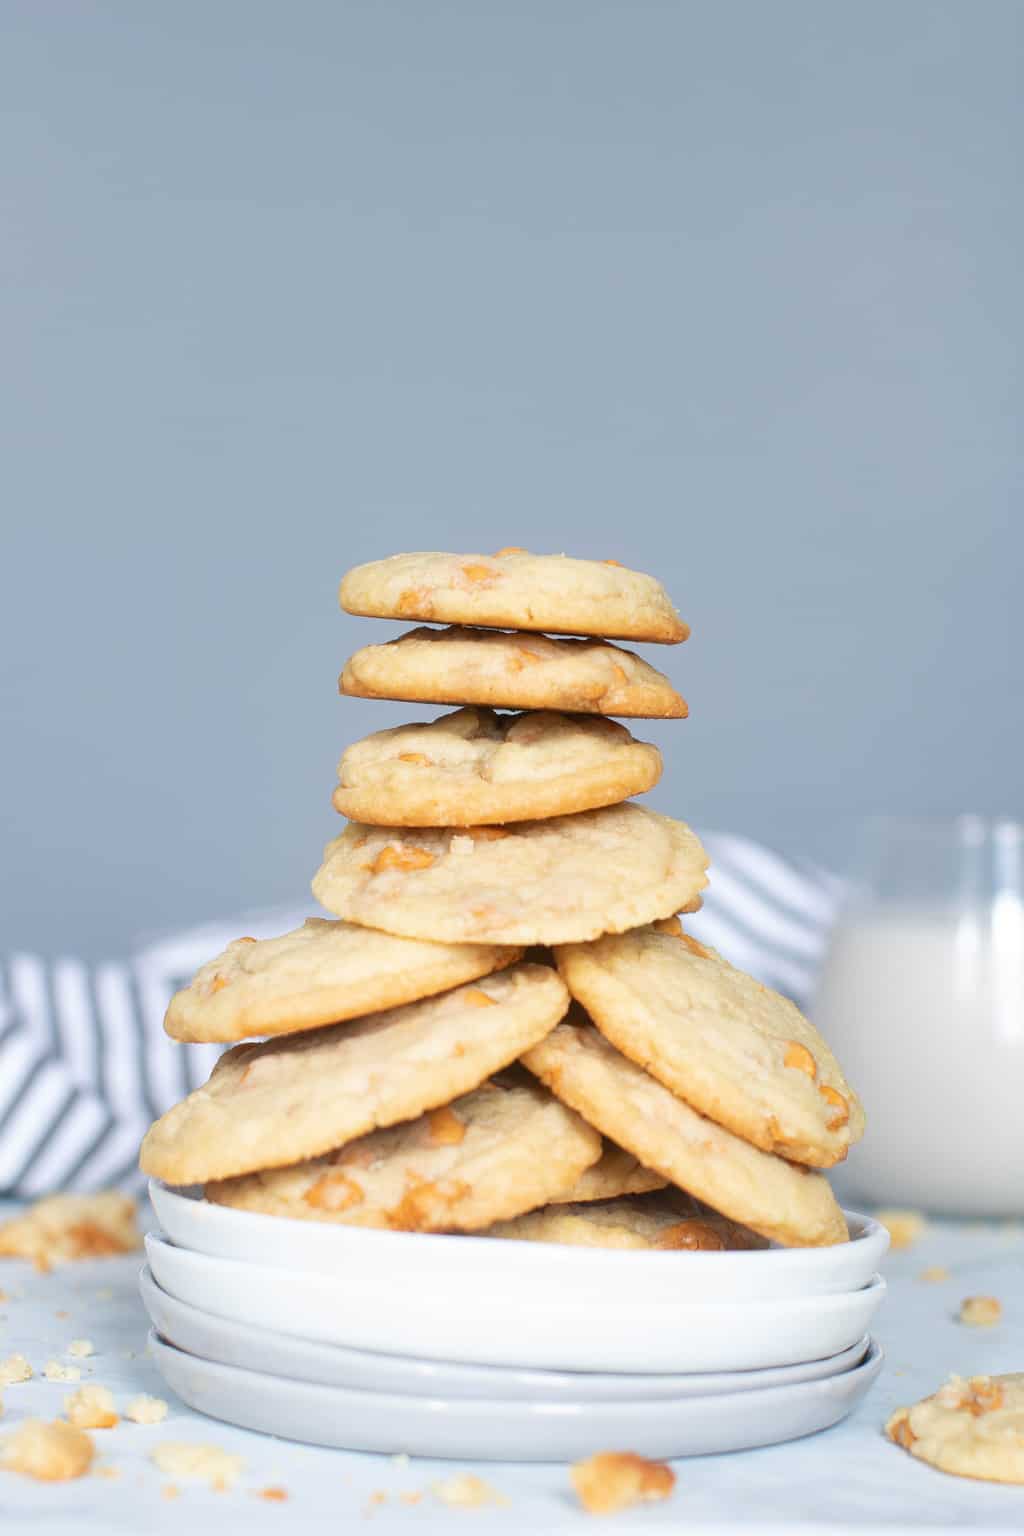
[{"x": 728, "y": 291}]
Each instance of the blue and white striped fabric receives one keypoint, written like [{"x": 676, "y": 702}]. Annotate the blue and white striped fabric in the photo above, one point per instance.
[{"x": 85, "y": 1065}]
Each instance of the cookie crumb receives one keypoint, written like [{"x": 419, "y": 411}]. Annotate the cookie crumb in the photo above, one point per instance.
[
  {"x": 272, "y": 1495},
  {"x": 54, "y": 1371},
  {"x": 466, "y": 1492},
  {"x": 146, "y": 1410},
  {"x": 411, "y": 1496},
  {"x": 905, "y": 1227},
  {"x": 51, "y": 1453},
  {"x": 14, "y": 1368},
  {"x": 91, "y": 1407},
  {"x": 81, "y": 1348},
  {"x": 170, "y": 1491},
  {"x": 376, "y": 1499},
  {"x": 107, "y": 1471},
  {"x": 980, "y": 1311},
  {"x": 613, "y": 1480},
  {"x": 62, "y": 1228},
  {"x": 934, "y": 1274},
  {"x": 202, "y": 1463}
]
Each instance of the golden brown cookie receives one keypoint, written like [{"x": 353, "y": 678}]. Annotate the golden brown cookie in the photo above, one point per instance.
[
  {"x": 514, "y": 589},
  {"x": 972, "y": 1428},
  {"x": 616, "y": 1172},
  {"x": 491, "y": 1154},
  {"x": 737, "y": 1051},
  {"x": 290, "y": 1099},
  {"x": 473, "y": 768},
  {"x": 652, "y": 1222},
  {"x": 520, "y": 671},
  {"x": 532, "y": 882},
  {"x": 781, "y": 1200},
  {"x": 322, "y": 973}
]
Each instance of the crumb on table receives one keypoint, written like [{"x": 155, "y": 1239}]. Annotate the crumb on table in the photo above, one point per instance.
[
  {"x": 51, "y": 1453},
  {"x": 980, "y": 1311},
  {"x": 613, "y": 1480},
  {"x": 904, "y": 1227}
]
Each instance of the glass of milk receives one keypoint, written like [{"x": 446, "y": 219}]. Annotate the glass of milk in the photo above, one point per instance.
[{"x": 922, "y": 997}]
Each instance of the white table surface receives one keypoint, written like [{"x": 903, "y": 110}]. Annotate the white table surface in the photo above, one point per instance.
[{"x": 846, "y": 1479}]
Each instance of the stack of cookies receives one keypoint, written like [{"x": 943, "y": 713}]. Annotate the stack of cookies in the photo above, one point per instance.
[{"x": 504, "y": 1028}]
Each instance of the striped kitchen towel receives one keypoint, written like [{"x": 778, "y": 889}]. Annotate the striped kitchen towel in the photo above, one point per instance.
[{"x": 85, "y": 1065}]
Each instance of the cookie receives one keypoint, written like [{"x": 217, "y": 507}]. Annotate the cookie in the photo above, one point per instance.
[
  {"x": 491, "y": 1154},
  {"x": 516, "y": 590},
  {"x": 780, "y": 1200},
  {"x": 533, "y": 882},
  {"x": 732, "y": 1048},
  {"x": 282, "y": 1101},
  {"x": 972, "y": 1428},
  {"x": 652, "y": 1222},
  {"x": 616, "y": 1172},
  {"x": 474, "y": 767},
  {"x": 322, "y": 973},
  {"x": 488, "y": 667}
]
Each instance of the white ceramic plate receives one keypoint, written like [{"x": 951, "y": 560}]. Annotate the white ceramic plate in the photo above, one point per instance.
[
  {"x": 256, "y": 1349},
  {"x": 479, "y": 1429},
  {"x": 528, "y": 1272},
  {"x": 563, "y": 1330}
]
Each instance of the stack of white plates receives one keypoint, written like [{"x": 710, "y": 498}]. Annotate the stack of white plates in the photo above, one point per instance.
[{"x": 483, "y": 1349}]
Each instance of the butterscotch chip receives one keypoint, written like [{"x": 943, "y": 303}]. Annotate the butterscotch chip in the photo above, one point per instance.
[
  {"x": 505, "y": 1147},
  {"x": 322, "y": 973},
  {"x": 980, "y": 1311},
  {"x": 91, "y": 1407},
  {"x": 756, "y": 1189},
  {"x": 295, "y": 1098},
  {"x": 51, "y": 1453},
  {"x": 146, "y": 1410},
  {"x": 972, "y": 1428},
  {"x": 198, "y": 1463},
  {"x": 613, "y": 1480},
  {"x": 731, "y": 1047},
  {"x": 488, "y": 668},
  {"x": 515, "y": 589},
  {"x": 15, "y": 1368},
  {"x": 466, "y": 1492},
  {"x": 904, "y": 1227},
  {"x": 539, "y": 882},
  {"x": 474, "y": 767},
  {"x": 651, "y": 1222},
  {"x": 62, "y": 1228}
]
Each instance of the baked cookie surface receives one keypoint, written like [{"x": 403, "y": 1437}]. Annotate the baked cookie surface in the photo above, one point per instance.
[
  {"x": 473, "y": 768},
  {"x": 532, "y": 882},
  {"x": 615, "y": 1173},
  {"x": 325, "y": 972},
  {"x": 972, "y": 1428},
  {"x": 736, "y": 1051},
  {"x": 518, "y": 671},
  {"x": 638, "y": 1222},
  {"x": 515, "y": 589},
  {"x": 780, "y": 1200},
  {"x": 505, "y": 1147},
  {"x": 286, "y": 1100}
]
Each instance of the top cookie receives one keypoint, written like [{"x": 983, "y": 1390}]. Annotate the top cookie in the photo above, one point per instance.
[
  {"x": 972, "y": 1428},
  {"x": 516, "y": 590},
  {"x": 741, "y": 1054},
  {"x": 474, "y": 767},
  {"x": 285, "y": 1100},
  {"x": 321, "y": 973},
  {"x": 487, "y": 666}
]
